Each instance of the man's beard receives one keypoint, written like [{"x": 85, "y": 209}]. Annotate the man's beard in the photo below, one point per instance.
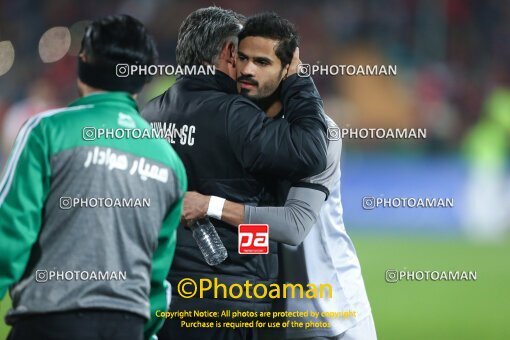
[{"x": 265, "y": 100}]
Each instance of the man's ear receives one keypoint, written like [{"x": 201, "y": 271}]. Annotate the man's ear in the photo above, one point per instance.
[
  {"x": 231, "y": 53},
  {"x": 227, "y": 60},
  {"x": 285, "y": 71}
]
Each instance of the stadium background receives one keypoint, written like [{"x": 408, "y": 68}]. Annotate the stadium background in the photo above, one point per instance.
[{"x": 453, "y": 79}]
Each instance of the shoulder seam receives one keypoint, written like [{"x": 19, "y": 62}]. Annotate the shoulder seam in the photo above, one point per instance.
[{"x": 53, "y": 112}]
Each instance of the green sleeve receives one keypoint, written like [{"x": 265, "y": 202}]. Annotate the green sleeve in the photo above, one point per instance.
[
  {"x": 162, "y": 259},
  {"x": 23, "y": 189}
]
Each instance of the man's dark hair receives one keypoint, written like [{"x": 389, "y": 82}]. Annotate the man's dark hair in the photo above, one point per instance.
[
  {"x": 272, "y": 26},
  {"x": 118, "y": 39},
  {"x": 115, "y": 39},
  {"x": 204, "y": 33}
]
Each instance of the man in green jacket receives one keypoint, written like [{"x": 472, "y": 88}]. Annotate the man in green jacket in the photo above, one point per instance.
[{"x": 89, "y": 205}]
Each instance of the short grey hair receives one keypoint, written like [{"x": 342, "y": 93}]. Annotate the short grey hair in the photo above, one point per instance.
[{"x": 204, "y": 33}]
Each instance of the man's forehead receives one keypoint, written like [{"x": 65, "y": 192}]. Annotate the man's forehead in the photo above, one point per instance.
[{"x": 258, "y": 47}]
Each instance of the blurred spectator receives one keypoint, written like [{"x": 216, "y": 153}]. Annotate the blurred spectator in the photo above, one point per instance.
[
  {"x": 41, "y": 96},
  {"x": 487, "y": 215}
]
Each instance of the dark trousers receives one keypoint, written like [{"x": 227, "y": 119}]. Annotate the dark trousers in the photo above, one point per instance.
[{"x": 79, "y": 325}]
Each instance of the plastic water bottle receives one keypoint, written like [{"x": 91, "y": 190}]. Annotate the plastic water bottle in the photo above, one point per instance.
[{"x": 209, "y": 242}]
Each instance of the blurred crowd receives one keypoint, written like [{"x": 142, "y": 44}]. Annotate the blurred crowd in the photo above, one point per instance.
[{"x": 453, "y": 60}]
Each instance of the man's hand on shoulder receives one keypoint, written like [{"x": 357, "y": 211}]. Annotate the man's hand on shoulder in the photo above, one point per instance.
[{"x": 293, "y": 68}]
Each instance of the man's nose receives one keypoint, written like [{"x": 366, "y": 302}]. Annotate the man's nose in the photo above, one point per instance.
[{"x": 248, "y": 69}]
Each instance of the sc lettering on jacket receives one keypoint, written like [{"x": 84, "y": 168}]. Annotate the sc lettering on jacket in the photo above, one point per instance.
[{"x": 174, "y": 134}]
